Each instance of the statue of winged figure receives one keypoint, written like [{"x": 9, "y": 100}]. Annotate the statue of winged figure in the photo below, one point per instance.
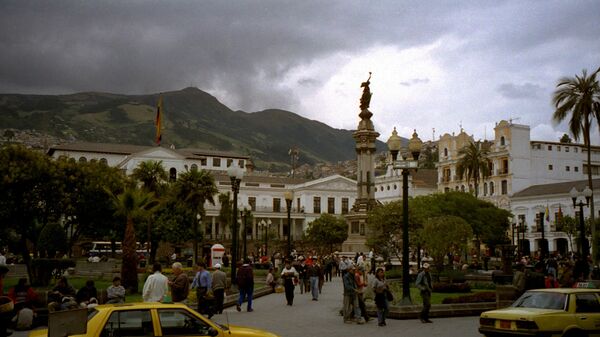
[{"x": 365, "y": 99}]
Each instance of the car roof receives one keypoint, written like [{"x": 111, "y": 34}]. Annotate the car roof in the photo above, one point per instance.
[
  {"x": 140, "y": 305},
  {"x": 566, "y": 290}
]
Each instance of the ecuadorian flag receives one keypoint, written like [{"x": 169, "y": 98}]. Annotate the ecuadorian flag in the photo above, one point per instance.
[
  {"x": 547, "y": 213},
  {"x": 158, "y": 121}
]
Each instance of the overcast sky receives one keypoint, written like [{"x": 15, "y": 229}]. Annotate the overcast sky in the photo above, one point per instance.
[{"x": 435, "y": 64}]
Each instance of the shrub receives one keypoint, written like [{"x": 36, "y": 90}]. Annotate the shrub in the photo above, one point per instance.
[
  {"x": 444, "y": 287},
  {"x": 483, "y": 296},
  {"x": 483, "y": 285}
]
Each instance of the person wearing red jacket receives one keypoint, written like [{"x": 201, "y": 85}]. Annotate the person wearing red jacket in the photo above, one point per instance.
[
  {"x": 22, "y": 292},
  {"x": 551, "y": 282}
]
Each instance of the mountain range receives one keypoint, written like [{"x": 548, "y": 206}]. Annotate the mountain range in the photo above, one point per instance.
[{"x": 192, "y": 118}]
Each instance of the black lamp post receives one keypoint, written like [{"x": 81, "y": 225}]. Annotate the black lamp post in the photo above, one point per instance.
[
  {"x": 265, "y": 226},
  {"x": 244, "y": 216},
  {"x": 288, "y": 203},
  {"x": 405, "y": 164},
  {"x": 587, "y": 193},
  {"x": 235, "y": 174}
]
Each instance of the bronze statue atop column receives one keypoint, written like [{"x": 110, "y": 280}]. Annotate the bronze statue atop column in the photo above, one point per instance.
[{"x": 365, "y": 100}]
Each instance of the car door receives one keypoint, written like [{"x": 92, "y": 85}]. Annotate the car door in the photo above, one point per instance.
[
  {"x": 178, "y": 322},
  {"x": 587, "y": 313},
  {"x": 129, "y": 323}
]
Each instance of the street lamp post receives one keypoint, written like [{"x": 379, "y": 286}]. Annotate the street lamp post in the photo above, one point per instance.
[
  {"x": 405, "y": 164},
  {"x": 288, "y": 203},
  {"x": 235, "y": 174},
  {"x": 587, "y": 193},
  {"x": 265, "y": 226},
  {"x": 244, "y": 216}
]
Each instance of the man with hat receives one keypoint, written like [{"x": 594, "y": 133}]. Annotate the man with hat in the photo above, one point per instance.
[
  {"x": 350, "y": 297},
  {"x": 424, "y": 284},
  {"x": 219, "y": 282}
]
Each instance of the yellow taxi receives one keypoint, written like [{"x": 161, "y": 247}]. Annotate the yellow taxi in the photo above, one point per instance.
[
  {"x": 566, "y": 312},
  {"x": 141, "y": 319}
]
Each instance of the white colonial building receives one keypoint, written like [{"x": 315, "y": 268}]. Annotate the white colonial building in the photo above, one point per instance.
[
  {"x": 529, "y": 207},
  {"x": 516, "y": 163}
]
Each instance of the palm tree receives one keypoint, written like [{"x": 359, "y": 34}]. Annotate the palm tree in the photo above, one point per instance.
[
  {"x": 153, "y": 176},
  {"x": 194, "y": 188},
  {"x": 578, "y": 97},
  {"x": 474, "y": 163},
  {"x": 134, "y": 204}
]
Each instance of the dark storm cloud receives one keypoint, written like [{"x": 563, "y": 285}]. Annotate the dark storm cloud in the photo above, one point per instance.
[
  {"x": 240, "y": 47},
  {"x": 243, "y": 49}
]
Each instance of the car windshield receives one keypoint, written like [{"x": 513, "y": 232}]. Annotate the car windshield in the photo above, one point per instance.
[{"x": 541, "y": 300}]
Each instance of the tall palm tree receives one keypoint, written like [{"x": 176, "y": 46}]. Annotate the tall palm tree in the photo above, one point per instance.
[
  {"x": 194, "y": 188},
  {"x": 474, "y": 163},
  {"x": 133, "y": 204},
  {"x": 578, "y": 97},
  {"x": 153, "y": 176}
]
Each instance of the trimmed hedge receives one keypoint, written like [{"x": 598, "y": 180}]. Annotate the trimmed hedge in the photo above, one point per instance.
[
  {"x": 479, "y": 297},
  {"x": 443, "y": 287}
]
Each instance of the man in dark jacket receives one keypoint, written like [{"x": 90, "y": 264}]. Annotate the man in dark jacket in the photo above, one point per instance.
[
  {"x": 245, "y": 281},
  {"x": 180, "y": 286}
]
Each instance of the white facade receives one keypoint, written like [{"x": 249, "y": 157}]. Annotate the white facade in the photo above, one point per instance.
[
  {"x": 528, "y": 204},
  {"x": 388, "y": 187},
  {"x": 127, "y": 157},
  {"x": 517, "y": 163}
]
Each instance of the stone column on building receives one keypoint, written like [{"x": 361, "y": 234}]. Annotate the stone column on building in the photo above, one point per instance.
[{"x": 365, "y": 137}]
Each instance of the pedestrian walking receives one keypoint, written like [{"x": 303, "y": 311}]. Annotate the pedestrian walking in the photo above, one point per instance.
[
  {"x": 180, "y": 286},
  {"x": 350, "y": 298},
  {"x": 424, "y": 285},
  {"x": 156, "y": 285},
  {"x": 219, "y": 282},
  {"x": 313, "y": 272},
  {"x": 359, "y": 278},
  {"x": 381, "y": 288},
  {"x": 245, "y": 280},
  {"x": 202, "y": 282},
  {"x": 288, "y": 274}
]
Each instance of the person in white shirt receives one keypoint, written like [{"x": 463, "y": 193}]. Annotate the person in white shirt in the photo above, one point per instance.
[
  {"x": 156, "y": 285},
  {"x": 2, "y": 259},
  {"x": 289, "y": 275}
]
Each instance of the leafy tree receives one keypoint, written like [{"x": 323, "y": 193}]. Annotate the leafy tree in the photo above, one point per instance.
[
  {"x": 29, "y": 195},
  {"x": 327, "y": 231},
  {"x": 9, "y": 135},
  {"x": 193, "y": 189},
  {"x": 87, "y": 208},
  {"x": 430, "y": 157},
  {"x": 474, "y": 163},
  {"x": 134, "y": 204},
  {"x": 384, "y": 232},
  {"x": 52, "y": 240},
  {"x": 444, "y": 234},
  {"x": 566, "y": 139},
  {"x": 576, "y": 96},
  {"x": 569, "y": 225}
]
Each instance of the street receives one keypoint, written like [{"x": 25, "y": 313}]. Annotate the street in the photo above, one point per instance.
[{"x": 321, "y": 318}]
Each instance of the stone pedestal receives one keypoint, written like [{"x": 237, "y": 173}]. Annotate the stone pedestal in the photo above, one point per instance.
[{"x": 357, "y": 227}]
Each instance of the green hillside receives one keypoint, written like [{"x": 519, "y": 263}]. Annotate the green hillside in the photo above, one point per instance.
[{"x": 192, "y": 118}]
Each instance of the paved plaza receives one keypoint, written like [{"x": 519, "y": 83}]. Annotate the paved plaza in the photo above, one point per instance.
[{"x": 321, "y": 318}]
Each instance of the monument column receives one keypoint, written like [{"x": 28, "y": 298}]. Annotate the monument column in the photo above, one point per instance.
[{"x": 365, "y": 137}]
